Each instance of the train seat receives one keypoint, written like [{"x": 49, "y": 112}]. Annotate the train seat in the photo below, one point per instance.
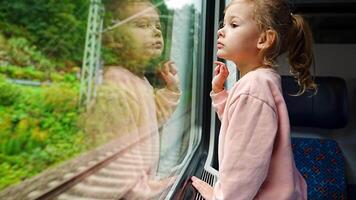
[{"x": 320, "y": 161}]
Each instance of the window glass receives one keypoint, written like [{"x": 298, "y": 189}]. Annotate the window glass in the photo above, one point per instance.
[{"x": 110, "y": 88}]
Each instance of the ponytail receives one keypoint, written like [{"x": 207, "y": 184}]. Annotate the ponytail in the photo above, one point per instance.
[{"x": 300, "y": 54}]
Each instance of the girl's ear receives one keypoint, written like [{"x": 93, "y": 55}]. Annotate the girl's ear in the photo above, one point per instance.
[{"x": 266, "y": 39}]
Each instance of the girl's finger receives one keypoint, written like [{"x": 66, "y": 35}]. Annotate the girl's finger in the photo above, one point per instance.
[
  {"x": 219, "y": 63},
  {"x": 198, "y": 186},
  {"x": 168, "y": 63},
  {"x": 164, "y": 76},
  {"x": 217, "y": 70},
  {"x": 202, "y": 189},
  {"x": 199, "y": 181},
  {"x": 173, "y": 68},
  {"x": 225, "y": 70},
  {"x": 169, "y": 67},
  {"x": 221, "y": 66},
  {"x": 166, "y": 67}
]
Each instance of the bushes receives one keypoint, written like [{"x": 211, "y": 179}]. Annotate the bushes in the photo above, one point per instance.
[
  {"x": 39, "y": 130},
  {"x": 9, "y": 92},
  {"x": 20, "y": 52},
  {"x": 28, "y": 123},
  {"x": 60, "y": 99},
  {"x": 30, "y": 73}
]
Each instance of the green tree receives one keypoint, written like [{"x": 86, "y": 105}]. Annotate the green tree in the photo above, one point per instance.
[{"x": 57, "y": 28}]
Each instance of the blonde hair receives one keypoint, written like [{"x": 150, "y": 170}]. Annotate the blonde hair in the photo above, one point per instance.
[
  {"x": 118, "y": 45},
  {"x": 293, "y": 36}
]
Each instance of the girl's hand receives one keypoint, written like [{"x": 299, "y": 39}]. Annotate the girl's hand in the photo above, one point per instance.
[
  {"x": 203, "y": 188},
  {"x": 169, "y": 74},
  {"x": 220, "y": 75}
]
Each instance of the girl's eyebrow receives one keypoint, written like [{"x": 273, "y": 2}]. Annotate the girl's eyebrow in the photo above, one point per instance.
[
  {"x": 145, "y": 20},
  {"x": 148, "y": 19},
  {"x": 131, "y": 18},
  {"x": 231, "y": 18},
  {"x": 234, "y": 16}
]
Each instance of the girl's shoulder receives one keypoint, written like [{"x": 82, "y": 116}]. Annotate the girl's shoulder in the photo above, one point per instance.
[
  {"x": 117, "y": 73},
  {"x": 262, "y": 83}
]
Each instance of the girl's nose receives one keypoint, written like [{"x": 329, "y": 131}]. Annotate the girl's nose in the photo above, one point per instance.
[
  {"x": 220, "y": 33},
  {"x": 157, "y": 32}
]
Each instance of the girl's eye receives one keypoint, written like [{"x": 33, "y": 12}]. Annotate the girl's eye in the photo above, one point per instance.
[
  {"x": 141, "y": 25},
  {"x": 158, "y": 26},
  {"x": 233, "y": 25}
]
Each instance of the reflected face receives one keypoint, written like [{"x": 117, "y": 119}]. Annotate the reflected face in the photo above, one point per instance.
[
  {"x": 145, "y": 29},
  {"x": 237, "y": 39}
]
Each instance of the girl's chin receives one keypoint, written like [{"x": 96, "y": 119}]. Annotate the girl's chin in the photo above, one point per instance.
[
  {"x": 155, "y": 52},
  {"x": 221, "y": 55}
]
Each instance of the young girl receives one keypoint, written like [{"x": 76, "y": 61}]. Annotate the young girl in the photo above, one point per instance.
[
  {"x": 255, "y": 155},
  {"x": 127, "y": 106}
]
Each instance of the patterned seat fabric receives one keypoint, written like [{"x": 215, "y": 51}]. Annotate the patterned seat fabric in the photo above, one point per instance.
[{"x": 321, "y": 163}]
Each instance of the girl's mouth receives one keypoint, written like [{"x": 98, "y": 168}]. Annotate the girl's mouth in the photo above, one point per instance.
[
  {"x": 220, "y": 45},
  {"x": 157, "y": 45}
]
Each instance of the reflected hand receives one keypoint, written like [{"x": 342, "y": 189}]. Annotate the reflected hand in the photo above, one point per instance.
[
  {"x": 203, "y": 188},
  {"x": 162, "y": 183},
  {"x": 147, "y": 188},
  {"x": 169, "y": 74},
  {"x": 221, "y": 73}
]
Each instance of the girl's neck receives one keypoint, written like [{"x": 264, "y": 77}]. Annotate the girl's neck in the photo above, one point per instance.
[
  {"x": 245, "y": 68},
  {"x": 138, "y": 73}
]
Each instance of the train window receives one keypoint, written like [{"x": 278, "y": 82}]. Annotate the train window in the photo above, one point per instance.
[{"x": 111, "y": 115}]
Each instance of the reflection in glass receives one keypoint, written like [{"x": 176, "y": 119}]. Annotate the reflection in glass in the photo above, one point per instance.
[
  {"x": 127, "y": 106},
  {"x": 141, "y": 111}
]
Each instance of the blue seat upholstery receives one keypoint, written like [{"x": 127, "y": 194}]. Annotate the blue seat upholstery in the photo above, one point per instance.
[{"x": 321, "y": 163}]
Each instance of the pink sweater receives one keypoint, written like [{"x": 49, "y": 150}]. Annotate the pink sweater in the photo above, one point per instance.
[
  {"x": 129, "y": 108},
  {"x": 255, "y": 155}
]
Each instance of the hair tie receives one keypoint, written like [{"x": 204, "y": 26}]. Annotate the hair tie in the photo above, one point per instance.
[{"x": 291, "y": 14}]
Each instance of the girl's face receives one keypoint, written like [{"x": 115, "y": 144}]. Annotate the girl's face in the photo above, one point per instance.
[
  {"x": 145, "y": 30},
  {"x": 237, "y": 39}
]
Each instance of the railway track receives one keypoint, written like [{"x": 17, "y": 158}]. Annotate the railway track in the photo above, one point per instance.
[
  {"x": 109, "y": 179},
  {"x": 100, "y": 174},
  {"x": 105, "y": 175}
]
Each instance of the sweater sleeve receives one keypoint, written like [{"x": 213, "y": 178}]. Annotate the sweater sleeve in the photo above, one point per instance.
[
  {"x": 219, "y": 101},
  {"x": 247, "y": 149},
  {"x": 166, "y": 103}
]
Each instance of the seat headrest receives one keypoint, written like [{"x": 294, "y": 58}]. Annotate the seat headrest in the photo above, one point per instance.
[{"x": 327, "y": 109}]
